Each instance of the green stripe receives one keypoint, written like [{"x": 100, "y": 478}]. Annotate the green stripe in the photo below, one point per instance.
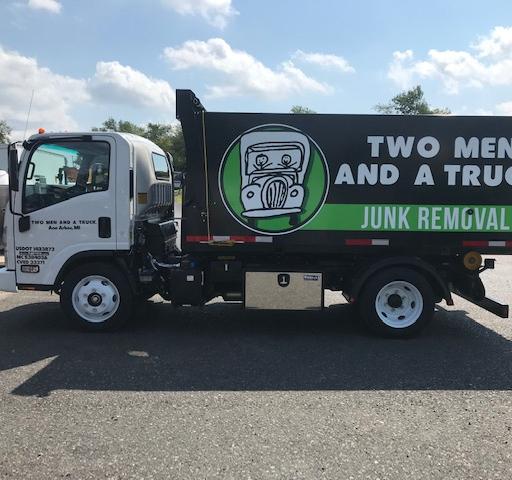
[{"x": 415, "y": 218}]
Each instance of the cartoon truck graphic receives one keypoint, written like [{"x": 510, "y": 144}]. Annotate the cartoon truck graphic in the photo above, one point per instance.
[{"x": 273, "y": 167}]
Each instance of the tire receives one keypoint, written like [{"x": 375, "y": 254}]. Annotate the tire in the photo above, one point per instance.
[
  {"x": 97, "y": 297},
  {"x": 397, "y": 303}
]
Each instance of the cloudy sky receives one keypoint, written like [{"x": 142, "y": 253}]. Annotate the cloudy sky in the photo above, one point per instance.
[{"x": 88, "y": 60}]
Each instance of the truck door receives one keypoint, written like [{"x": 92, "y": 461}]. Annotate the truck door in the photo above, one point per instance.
[{"x": 66, "y": 205}]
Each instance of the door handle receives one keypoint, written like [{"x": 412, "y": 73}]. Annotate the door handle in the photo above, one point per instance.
[{"x": 104, "y": 227}]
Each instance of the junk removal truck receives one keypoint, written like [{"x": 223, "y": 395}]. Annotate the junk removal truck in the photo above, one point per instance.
[{"x": 395, "y": 212}]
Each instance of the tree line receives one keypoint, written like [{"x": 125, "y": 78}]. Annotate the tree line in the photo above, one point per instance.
[
  {"x": 169, "y": 137},
  {"x": 5, "y": 132}
]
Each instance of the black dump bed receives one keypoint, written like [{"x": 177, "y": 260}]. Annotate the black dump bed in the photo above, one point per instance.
[{"x": 345, "y": 183}]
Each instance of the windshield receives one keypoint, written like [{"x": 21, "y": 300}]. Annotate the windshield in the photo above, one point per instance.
[{"x": 59, "y": 171}]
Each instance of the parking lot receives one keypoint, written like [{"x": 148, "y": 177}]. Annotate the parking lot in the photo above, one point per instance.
[{"x": 217, "y": 392}]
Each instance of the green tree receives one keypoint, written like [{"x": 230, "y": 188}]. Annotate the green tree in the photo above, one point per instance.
[
  {"x": 177, "y": 147},
  {"x": 5, "y": 131},
  {"x": 168, "y": 137},
  {"x": 160, "y": 134},
  {"x": 301, "y": 109},
  {"x": 410, "y": 102},
  {"x": 129, "y": 127},
  {"x": 111, "y": 125}
]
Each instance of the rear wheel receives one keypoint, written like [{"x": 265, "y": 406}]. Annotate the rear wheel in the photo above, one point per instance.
[
  {"x": 397, "y": 302},
  {"x": 97, "y": 297}
]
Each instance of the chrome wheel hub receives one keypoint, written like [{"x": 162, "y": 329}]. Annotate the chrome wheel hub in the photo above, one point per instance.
[
  {"x": 95, "y": 299},
  {"x": 399, "y": 304}
]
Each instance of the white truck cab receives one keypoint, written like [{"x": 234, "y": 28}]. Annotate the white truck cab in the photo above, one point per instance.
[{"x": 77, "y": 200}]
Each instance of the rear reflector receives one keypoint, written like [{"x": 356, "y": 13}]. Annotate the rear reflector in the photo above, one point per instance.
[
  {"x": 486, "y": 243},
  {"x": 228, "y": 239},
  {"x": 368, "y": 242}
]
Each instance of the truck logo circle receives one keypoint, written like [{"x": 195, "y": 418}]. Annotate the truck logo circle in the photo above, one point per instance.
[{"x": 274, "y": 179}]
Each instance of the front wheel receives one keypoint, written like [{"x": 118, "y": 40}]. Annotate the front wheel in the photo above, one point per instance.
[
  {"x": 397, "y": 302},
  {"x": 97, "y": 297}
]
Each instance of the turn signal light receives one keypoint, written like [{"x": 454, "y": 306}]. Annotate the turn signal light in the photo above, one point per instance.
[
  {"x": 42, "y": 131},
  {"x": 472, "y": 261}
]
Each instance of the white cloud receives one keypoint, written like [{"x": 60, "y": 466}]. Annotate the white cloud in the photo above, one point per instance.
[
  {"x": 489, "y": 65},
  {"x": 497, "y": 44},
  {"x": 57, "y": 97},
  {"x": 215, "y": 12},
  {"x": 119, "y": 84},
  {"x": 52, "y": 6},
  {"x": 324, "y": 60},
  {"x": 403, "y": 70},
  {"x": 54, "y": 94},
  {"x": 504, "y": 108},
  {"x": 241, "y": 72},
  {"x": 483, "y": 112}
]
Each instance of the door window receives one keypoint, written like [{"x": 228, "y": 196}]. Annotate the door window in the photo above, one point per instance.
[
  {"x": 161, "y": 166},
  {"x": 59, "y": 171}
]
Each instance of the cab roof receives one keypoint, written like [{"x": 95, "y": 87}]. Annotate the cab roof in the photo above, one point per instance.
[{"x": 127, "y": 137}]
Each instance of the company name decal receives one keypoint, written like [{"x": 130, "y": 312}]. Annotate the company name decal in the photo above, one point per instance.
[
  {"x": 427, "y": 148},
  {"x": 413, "y": 218},
  {"x": 275, "y": 179}
]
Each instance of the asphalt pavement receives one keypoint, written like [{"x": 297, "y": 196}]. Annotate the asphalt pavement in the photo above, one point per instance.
[{"x": 217, "y": 392}]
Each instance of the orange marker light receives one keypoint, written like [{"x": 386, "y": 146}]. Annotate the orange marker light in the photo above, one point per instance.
[{"x": 42, "y": 131}]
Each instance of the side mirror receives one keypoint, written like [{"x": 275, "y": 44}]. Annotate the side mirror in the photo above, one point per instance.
[{"x": 13, "y": 169}]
